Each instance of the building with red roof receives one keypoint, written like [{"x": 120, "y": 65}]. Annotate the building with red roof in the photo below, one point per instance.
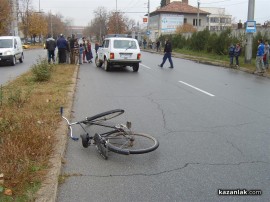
[{"x": 166, "y": 19}]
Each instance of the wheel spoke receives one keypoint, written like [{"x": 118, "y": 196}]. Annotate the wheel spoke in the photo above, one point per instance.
[{"x": 136, "y": 143}]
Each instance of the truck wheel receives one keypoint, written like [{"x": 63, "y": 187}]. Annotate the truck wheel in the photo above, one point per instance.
[
  {"x": 13, "y": 62},
  {"x": 135, "y": 67},
  {"x": 107, "y": 65},
  {"x": 21, "y": 59},
  {"x": 98, "y": 62}
]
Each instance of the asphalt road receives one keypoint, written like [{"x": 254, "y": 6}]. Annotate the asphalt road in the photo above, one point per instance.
[
  {"x": 212, "y": 124},
  {"x": 8, "y": 73}
]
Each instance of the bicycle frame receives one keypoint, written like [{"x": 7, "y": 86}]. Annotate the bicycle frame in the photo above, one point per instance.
[
  {"x": 120, "y": 139},
  {"x": 117, "y": 128}
]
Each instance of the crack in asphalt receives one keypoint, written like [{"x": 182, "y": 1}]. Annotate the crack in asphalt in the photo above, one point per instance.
[
  {"x": 161, "y": 110},
  {"x": 230, "y": 125},
  {"x": 165, "y": 171},
  {"x": 235, "y": 147},
  {"x": 187, "y": 131}
]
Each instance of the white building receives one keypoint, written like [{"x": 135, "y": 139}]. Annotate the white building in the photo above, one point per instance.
[
  {"x": 218, "y": 19},
  {"x": 165, "y": 20}
]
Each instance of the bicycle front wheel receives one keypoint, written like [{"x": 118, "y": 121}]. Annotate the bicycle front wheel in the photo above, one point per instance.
[
  {"x": 135, "y": 143},
  {"x": 105, "y": 115}
]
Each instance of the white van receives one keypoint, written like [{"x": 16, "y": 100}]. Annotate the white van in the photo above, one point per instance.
[{"x": 11, "y": 49}]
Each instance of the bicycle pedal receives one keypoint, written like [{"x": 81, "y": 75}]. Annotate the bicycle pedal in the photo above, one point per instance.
[{"x": 128, "y": 124}]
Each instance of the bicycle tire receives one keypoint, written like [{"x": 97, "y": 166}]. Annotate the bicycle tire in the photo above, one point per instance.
[
  {"x": 100, "y": 145},
  {"x": 118, "y": 143},
  {"x": 104, "y": 116},
  {"x": 85, "y": 140}
]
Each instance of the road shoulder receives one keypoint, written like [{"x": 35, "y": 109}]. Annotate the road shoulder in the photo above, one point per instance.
[{"x": 48, "y": 191}]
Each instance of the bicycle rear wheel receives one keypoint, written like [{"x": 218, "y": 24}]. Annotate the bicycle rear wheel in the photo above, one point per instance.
[
  {"x": 135, "y": 143},
  {"x": 105, "y": 116}
]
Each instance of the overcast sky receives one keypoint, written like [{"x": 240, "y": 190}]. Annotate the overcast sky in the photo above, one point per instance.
[{"x": 81, "y": 11}]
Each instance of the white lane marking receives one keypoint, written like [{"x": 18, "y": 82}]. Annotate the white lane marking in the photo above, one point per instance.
[
  {"x": 197, "y": 88},
  {"x": 145, "y": 66}
]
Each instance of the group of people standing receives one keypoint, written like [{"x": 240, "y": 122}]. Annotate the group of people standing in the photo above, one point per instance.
[
  {"x": 70, "y": 51},
  {"x": 152, "y": 45},
  {"x": 262, "y": 56},
  {"x": 234, "y": 52}
]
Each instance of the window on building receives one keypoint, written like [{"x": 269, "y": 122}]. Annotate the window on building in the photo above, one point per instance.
[
  {"x": 222, "y": 20},
  {"x": 185, "y": 21},
  {"x": 195, "y": 22},
  {"x": 214, "y": 20}
]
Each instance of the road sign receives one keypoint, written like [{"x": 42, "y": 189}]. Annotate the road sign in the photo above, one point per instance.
[{"x": 250, "y": 26}]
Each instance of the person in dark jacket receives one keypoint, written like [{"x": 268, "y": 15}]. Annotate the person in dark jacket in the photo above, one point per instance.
[
  {"x": 231, "y": 54},
  {"x": 71, "y": 44},
  {"x": 89, "y": 54},
  {"x": 158, "y": 46},
  {"x": 237, "y": 52},
  {"x": 96, "y": 46},
  {"x": 50, "y": 46},
  {"x": 167, "y": 53},
  {"x": 62, "y": 47}
]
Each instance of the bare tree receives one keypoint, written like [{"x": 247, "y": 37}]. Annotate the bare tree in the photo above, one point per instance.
[
  {"x": 101, "y": 19},
  {"x": 130, "y": 25},
  {"x": 57, "y": 25},
  {"x": 24, "y": 14},
  {"x": 5, "y": 17},
  {"x": 68, "y": 23},
  {"x": 117, "y": 23}
]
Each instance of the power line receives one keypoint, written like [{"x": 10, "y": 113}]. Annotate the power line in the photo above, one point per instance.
[
  {"x": 131, "y": 6},
  {"x": 232, "y": 4},
  {"x": 216, "y": 2}
]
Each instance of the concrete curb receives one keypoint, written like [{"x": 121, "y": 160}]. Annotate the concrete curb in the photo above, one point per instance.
[{"x": 48, "y": 191}]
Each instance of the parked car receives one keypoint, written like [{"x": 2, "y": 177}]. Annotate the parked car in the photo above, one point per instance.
[
  {"x": 11, "y": 49},
  {"x": 26, "y": 46},
  {"x": 119, "y": 52}
]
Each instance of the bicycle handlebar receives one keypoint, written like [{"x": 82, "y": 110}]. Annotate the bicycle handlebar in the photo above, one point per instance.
[{"x": 69, "y": 125}]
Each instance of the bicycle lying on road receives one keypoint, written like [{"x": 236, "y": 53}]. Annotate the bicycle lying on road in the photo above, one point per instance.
[{"x": 119, "y": 138}]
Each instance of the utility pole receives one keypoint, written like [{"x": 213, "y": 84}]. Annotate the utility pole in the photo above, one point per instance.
[
  {"x": 100, "y": 36},
  {"x": 51, "y": 24},
  {"x": 198, "y": 15},
  {"x": 148, "y": 14},
  {"x": 15, "y": 31},
  {"x": 248, "y": 55},
  {"x": 117, "y": 18},
  {"x": 148, "y": 19}
]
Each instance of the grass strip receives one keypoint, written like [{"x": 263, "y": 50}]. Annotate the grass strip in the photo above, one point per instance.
[{"x": 29, "y": 117}]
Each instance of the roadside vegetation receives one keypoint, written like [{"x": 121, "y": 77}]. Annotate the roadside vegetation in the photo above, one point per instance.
[
  {"x": 212, "y": 46},
  {"x": 29, "y": 117}
]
